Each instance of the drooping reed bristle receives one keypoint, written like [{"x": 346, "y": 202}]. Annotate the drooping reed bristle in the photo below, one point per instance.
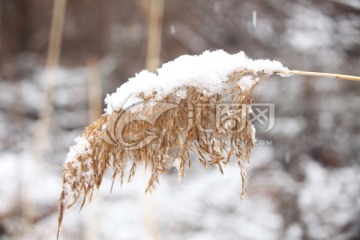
[{"x": 160, "y": 135}]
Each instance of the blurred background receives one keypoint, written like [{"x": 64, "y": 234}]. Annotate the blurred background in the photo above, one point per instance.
[{"x": 58, "y": 63}]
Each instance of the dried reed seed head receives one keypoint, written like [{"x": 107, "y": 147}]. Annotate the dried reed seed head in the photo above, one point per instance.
[{"x": 161, "y": 134}]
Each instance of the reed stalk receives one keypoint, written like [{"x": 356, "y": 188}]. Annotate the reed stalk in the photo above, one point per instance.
[
  {"x": 320, "y": 74},
  {"x": 42, "y": 129}
]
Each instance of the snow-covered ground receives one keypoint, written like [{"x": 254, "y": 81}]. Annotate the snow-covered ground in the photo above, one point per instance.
[{"x": 206, "y": 205}]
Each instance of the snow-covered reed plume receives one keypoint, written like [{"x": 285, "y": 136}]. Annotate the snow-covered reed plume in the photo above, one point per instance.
[{"x": 197, "y": 104}]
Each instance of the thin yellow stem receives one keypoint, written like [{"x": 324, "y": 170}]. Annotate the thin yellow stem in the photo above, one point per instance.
[
  {"x": 155, "y": 19},
  {"x": 319, "y": 74},
  {"x": 95, "y": 102}
]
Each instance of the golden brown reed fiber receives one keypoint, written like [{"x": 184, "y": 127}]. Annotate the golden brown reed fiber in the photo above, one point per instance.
[
  {"x": 161, "y": 134},
  {"x": 320, "y": 74}
]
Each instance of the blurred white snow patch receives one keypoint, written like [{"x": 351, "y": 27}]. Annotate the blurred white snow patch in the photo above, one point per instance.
[
  {"x": 326, "y": 120},
  {"x": 288, "y": 126},
  {"x": 264, "y": 30},
  {"x": 309, "y": 29},
  {"x": 329, "y": 199},
  {"x": 312, "y": 31},
  {"x": 261, "y": 155},
  {"x": 206, "y": 71},
  {"x": 207, "y": 206},
  {"x": 294, "y": 232},
  {"x": 30, "y": 94},
  {"x": 108, "y": 65},
  {"x": 9, "y": 169},
  {"x": 324, "y": 85},
  {"x": 122, "y": 219},
  {"x": 18, "y": 171}
]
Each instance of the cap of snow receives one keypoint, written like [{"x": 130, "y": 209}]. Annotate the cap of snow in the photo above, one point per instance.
[
  {"x": 81, "y": 148},
  {"x": 206, "y": 71}
]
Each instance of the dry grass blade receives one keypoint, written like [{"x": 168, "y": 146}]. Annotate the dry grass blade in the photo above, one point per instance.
[{"x": 160, "y": 135}]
